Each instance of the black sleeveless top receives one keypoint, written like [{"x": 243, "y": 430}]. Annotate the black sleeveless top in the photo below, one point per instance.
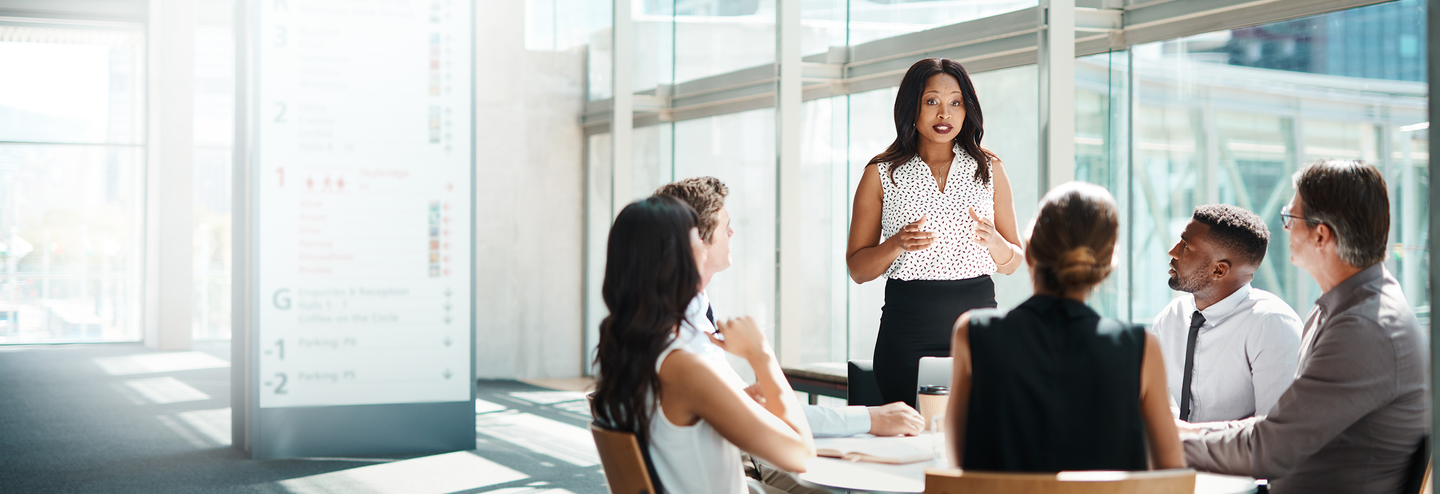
[{"x": 1054, "y": 387}]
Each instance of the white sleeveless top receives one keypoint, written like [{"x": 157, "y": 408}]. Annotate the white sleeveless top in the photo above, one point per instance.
[
  {"x": 693, "y": 459},
  {"x": 914, "y": 193}
]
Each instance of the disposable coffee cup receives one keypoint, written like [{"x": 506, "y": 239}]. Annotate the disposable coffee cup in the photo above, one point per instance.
[{"x": 932, "y": 402}]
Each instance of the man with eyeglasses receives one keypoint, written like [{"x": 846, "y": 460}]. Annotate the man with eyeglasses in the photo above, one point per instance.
[{"x": 1356, "y": 412}]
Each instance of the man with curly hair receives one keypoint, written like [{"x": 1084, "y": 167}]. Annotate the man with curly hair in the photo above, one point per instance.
[{"x": 1230, "y": 349}]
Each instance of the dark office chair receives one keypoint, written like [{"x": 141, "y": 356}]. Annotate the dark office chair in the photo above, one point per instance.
[
  {"x": 862, "y": 388},
  {"x": 1418, "y": 476}
]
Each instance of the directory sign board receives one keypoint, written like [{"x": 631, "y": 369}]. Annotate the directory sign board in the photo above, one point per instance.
[{"x": 360, "y": 174}]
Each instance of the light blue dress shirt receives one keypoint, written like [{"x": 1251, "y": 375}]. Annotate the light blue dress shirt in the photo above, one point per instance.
[{"x": 824, "y": 421}]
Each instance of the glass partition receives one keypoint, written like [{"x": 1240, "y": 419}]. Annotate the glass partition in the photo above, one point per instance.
[
  {"x": 876, "y": 19},
  {"x": 739, "y": 149},
  {"x": 1221, "y": 117},
  {"x": 72, "y": 161},
  {"x": 214, "y": 138},
  {"x": 1228, "y": 117}
]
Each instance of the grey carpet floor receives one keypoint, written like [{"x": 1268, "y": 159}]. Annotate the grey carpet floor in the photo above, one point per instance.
[{"x": 73, "y": 418}]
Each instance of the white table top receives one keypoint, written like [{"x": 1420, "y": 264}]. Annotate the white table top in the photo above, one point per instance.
[{"x": 877, "y": 477}]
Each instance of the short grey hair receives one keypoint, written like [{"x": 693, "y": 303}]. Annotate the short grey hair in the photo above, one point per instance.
[{"x": 1350, "y": 198}]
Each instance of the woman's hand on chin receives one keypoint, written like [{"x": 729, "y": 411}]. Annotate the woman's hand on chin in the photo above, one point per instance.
[{"x": 742, "y": 337}]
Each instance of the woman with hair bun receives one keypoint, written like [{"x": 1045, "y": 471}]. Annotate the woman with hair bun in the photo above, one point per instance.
[{"x": 1050, "y": 385}]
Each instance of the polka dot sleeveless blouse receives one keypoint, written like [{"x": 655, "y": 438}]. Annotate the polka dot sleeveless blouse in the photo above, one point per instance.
[{"x": 914, "y": 193}]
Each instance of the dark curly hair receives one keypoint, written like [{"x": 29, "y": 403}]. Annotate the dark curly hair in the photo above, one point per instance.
[{"x": 1238, "y": 232}]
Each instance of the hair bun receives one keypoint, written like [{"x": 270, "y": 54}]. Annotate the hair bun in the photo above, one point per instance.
[{"x": 1079, "y": 269}]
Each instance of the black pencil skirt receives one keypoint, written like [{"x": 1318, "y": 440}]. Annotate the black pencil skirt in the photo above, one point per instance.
[{"x": 917, "y": 321}]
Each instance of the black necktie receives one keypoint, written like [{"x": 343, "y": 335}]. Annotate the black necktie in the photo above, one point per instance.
[
  {"x": 1195, "y": 322},
  {"x": 710, "y": 314}
]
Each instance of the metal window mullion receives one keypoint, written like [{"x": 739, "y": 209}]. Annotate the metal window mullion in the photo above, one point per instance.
[
  {"x": 788, "y": 285},
  {"x": 622, "y": 106},
  {"x": 1056, "y": 60}
]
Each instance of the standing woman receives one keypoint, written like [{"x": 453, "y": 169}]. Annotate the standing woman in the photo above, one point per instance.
[{"x": 934, "y": 215}]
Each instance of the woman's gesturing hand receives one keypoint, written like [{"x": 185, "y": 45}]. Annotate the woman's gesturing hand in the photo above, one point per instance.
[
  {"x": 742, "y": 338},
  {"x": 913, "y": 238},
  {"x": 986, "y": 235}
]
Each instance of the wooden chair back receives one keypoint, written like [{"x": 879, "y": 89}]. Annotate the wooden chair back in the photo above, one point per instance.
[
  {"x": 955, "y": 481},
  {"x": 624, "y": 464}
]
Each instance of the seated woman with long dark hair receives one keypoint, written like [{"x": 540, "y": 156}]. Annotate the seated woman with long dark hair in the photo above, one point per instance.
[
  {"x": 1050, "y": 385},
  {"x": 680, "y": 408}
]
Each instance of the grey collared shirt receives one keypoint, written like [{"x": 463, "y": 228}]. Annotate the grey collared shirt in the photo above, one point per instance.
[
  {"x": 1245, "y": 353},
  {"x": 1357, "y": 409}
]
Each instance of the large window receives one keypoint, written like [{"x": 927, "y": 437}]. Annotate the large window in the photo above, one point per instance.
[
  {"x": 1228, "y": 117},
  {"x": 214, "y": 138},
  {"x": 1165, "y": 125},
  {"x": 72, "y": 160}
]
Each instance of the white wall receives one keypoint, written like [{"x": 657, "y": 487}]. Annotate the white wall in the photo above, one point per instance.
[{"x": 529, "y": 201}]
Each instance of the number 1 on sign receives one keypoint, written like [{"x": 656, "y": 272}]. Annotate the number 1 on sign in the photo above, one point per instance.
[{"x": 280, "y": 348}]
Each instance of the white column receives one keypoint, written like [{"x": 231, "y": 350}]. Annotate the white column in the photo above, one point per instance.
[
  {"x": 1057, "y": 93},
  {"x": 789, "y": 327},
  {"x": 169, "y": 246},
  {"x": 622, "y": 116}
]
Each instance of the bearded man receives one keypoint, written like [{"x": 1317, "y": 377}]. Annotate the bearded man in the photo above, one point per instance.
[{"x": 1230, "y": 349}]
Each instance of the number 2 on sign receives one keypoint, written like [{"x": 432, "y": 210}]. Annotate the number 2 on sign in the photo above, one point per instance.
[{"x": 280, "y": 388}]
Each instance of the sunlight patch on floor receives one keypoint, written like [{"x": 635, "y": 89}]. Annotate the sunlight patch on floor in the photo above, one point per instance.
[
  {"x": 159, "y": 362},
  {"x": 437, "y": 474},
  {"x": 212, "y": 424},
  {"x": 165, "y": 390},
  {"x": 564, "y": 442},
  {"x": 548, "y": 397}
]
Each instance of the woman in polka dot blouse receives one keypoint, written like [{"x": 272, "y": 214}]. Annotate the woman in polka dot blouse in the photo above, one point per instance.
[{"x": 933, "y": 215}]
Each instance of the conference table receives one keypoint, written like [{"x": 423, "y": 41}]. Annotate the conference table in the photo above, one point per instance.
[{"x": 866, "y": 477}]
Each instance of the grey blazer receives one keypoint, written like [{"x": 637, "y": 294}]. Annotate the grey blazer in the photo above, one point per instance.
[{"x": 1358, "y": 406}]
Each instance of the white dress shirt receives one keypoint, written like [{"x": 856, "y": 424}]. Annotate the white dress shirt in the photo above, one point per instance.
[
  {"x": 1245, "y": 353},
  {"x": 824, "y": 421}
]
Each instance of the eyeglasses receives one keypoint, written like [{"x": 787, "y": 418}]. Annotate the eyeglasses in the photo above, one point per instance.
[{"x": 1286, "y": 218}]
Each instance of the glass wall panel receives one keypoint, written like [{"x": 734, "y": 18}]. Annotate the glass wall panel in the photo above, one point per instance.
[
  {"x": 1100, "y": 155},
  {"x": 825, "y": 198},
  {"x": 559, "y": 25},
  {"x": 1228, "y": 117},
  {"x": 655, "y": 23},
  {"x": 875, "y": 19},
  {"x": 1012, "y": 131},
  {"x": 654, "y": 164},
  {"x": 717, "y": 36},
  {"x": 872, "y": 129},
  {"x": 739, "y": 149},
  {"x": 598, "y": 213},
  {"x": 71, "y": 225},
  {"x": 214, "y": 135},
  {"x": 822, "y": 25},
  {"x": 71, "y": 214}
]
